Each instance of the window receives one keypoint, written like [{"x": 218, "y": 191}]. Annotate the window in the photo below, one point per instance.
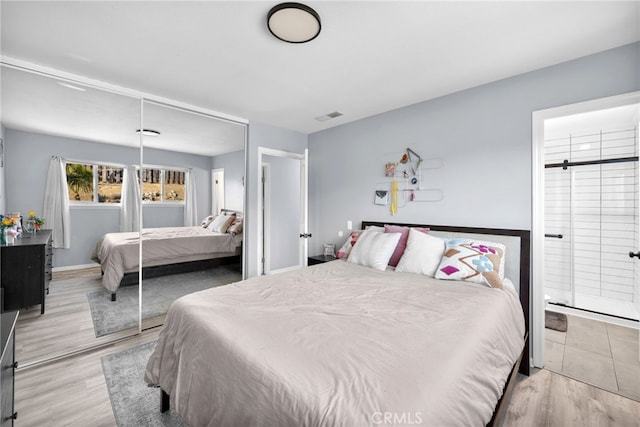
[
  {"x": 163, "y": 185},
  {"x": 97, "y": 183}
]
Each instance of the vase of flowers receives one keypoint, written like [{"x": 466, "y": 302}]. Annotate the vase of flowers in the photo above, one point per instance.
[
  {"x": 38, "y": 221},
  {"x": 8, "y": 229}
]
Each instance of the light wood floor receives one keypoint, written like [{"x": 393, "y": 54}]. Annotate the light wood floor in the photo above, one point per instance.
[
  {"x": 66, "y": 324},
  {"x": 72, "y": 392},
  {"x": 69, "y": 392}
]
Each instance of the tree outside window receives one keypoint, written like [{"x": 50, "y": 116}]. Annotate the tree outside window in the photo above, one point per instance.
[
  {"x": 98, "y": 183},
  {"x": 80, "y": 181}
]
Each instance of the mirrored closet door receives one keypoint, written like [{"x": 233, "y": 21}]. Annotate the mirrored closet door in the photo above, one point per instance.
[
  {"x": 68, "y": 153},
  {"x": 185, "y": 246}
]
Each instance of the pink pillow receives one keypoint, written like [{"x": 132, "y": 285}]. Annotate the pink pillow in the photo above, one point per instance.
[{"x": 402, "y": 243}]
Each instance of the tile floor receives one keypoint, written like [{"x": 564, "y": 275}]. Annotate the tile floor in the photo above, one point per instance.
[{"x": 597, "y": 353}]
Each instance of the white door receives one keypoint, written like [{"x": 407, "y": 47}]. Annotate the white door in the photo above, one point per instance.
[
  {"x": 217, "y": 191},
  {"x": 283, "y": 211}
]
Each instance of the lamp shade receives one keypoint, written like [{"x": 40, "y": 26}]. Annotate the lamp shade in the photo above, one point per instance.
[{"x": 293, "y": 22}]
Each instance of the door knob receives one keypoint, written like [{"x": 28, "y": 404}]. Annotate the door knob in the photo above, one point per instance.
[{"x": 631, "y": 254}]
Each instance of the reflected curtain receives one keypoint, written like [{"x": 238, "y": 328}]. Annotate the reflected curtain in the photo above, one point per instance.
[
  {"x": 190, "y": 209},
  {"x": 130, "y": 201},
  {"x": 56, "y": 204}
]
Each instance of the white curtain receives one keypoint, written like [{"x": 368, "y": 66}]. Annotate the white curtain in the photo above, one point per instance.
[
  {"x": 130, "y": 201},
  {"x": 190, "y": 206},
  {"x": 56, "y": 204}
]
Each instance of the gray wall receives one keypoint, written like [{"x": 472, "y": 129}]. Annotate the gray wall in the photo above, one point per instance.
[
  {"x": 27, "y": 162},
  {"x": 261, "y": 135},
  {"x": 482, "y": 135},
  {"x": 233, "y": 165}
]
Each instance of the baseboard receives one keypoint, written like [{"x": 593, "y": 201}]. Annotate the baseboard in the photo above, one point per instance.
[{"x": 75, "y": 267}]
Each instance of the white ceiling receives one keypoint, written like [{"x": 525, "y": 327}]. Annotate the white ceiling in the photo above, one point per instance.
[
  {"x": 370, "y": 57},
  {"x": 35, "y": 103}
]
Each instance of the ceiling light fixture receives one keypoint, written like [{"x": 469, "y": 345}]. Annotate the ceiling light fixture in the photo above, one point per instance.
[
  {"x": 293, "y": 22},
  {"x": 148, "y": 132}
]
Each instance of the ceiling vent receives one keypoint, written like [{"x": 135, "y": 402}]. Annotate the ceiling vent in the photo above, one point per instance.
[{"x": 329, "y": 116}]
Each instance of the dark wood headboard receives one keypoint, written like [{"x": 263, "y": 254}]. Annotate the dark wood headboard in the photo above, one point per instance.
[
  {"x": 524, "y": 265},
  {"x": 238, "y": 213}
]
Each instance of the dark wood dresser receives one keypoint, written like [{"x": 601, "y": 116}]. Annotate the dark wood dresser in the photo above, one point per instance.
[
  {"x": 26, "y": 271},
  {"x": 7, "y": 368}
]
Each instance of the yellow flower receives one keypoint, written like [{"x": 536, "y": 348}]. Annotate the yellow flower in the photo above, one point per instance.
[
  {"x": 32, "y": 213},
  {"x": 7, "y": 221}
]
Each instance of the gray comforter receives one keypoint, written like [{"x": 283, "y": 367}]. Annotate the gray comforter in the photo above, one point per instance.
[{"x": 338, "y": 344}]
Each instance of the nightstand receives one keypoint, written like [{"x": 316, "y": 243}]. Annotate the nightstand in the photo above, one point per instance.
[{"x": 319, "y": 259}]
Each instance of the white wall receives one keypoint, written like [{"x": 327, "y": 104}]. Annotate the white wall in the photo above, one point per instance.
[{"x": 483, "y": 136}]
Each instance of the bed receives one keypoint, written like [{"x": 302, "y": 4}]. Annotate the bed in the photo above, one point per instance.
[
  {"x": 166, "y": 250},
  {"x": 342, "y": 344}
]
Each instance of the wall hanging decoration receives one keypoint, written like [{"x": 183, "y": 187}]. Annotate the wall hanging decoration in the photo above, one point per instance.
[
  {"x": 409, "y": 169},
  {"x": 394, "y": 196},
  {"x": 381, "y": 198},
  {"x": 390, "y": 169}
]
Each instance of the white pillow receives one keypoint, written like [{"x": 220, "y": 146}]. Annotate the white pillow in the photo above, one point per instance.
[
  {"x": 373, "y": 249},
  {"x": 220, "y": 223},
  {"x": 422, "y": 254}
]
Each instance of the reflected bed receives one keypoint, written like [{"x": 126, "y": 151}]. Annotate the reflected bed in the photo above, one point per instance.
[{"x": 165, "y": 250}]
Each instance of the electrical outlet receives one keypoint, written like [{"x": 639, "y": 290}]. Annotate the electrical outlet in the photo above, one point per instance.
[{"x": 349, "y": 225}]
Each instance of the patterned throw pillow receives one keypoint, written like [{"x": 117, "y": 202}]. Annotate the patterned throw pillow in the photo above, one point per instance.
[
  {"x": 345, "y": 250},
  {"x": 236, "y": 227},
  {"x": 205, "y": 222},
  {"x": 474, "y": 261}
]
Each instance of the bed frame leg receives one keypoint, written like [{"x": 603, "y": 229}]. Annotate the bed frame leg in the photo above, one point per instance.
[
  {"x": 113, "y": 296},
  {"x": 164, "y": 401}
]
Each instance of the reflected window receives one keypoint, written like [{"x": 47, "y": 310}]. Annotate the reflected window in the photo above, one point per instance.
[
  {"x": 109, "y": 184},
  {"x": 94, "y": 183},
  {"x": 163, "y": 185}
]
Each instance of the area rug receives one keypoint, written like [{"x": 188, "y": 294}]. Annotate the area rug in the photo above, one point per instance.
[
  {"x": 134, "y": 403},
  {"x": 555, "y": 321},
  {"x": 157, "y": 295}
]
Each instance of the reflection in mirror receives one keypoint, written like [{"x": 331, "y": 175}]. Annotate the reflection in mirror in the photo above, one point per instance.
[
  {"x": 65, "y": 144},
  {"x": 187, "y": 247}
]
